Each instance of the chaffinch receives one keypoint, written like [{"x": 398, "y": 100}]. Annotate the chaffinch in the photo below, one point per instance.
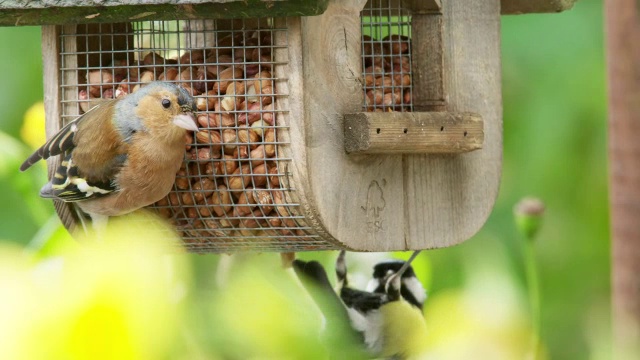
[
  {"x": 389, "y": 324},
  {"x": 122, "y": 154}
]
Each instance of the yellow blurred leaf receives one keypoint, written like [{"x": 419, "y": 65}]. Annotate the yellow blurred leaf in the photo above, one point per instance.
[
  {"x": 108, "y": 299},
  {"x": 33, "y": 127}
]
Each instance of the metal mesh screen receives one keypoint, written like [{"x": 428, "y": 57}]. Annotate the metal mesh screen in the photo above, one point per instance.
[
  {"x": 386, "y": 56},
  {"x": 233, "y": 191}
]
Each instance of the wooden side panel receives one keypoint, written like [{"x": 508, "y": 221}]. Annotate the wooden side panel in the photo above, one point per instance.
[
  {"x": 290, "y": 81},
  {"x": 51, "y": 70},
  {"x": 427, "y": 62},
  {"x": 448, "y": 198},
  {"x": 350, "y": 198}
]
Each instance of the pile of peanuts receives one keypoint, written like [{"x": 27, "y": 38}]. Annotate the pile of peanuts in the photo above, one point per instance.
[
  {"x": 229, "y": 186},
  {"x": 387, "y": 73}
]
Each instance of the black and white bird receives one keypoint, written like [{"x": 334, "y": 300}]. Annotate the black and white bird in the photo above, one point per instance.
[
  {"x": 386, "y": 322},
  {"x": 411, "y": 288}
]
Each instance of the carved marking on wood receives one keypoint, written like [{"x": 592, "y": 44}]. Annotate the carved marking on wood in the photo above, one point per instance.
[{"x": 374, "y": 206}]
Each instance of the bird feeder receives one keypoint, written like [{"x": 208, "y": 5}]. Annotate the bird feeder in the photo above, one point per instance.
[{"x": 363, "y": 125}]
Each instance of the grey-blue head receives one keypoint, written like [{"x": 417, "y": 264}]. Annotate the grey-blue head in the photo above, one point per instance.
[{"x": 152, "y": 107}]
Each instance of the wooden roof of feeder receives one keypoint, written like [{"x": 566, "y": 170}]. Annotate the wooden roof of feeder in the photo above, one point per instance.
[{"x": 41, "y": 12}]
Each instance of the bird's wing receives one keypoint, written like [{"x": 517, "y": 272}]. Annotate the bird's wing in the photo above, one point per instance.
[
  {"x": 362, "y": 301},
  {"x": 63, "y": 140},
  {"x": 94, "y": 153},
  {"x": 67, "y": 185}
]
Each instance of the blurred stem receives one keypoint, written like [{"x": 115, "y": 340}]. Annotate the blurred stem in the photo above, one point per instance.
[{"x": 531, "y": 269}]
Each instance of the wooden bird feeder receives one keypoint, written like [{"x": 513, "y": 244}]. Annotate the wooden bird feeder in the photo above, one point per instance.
[{"x": 366, "y": 125}]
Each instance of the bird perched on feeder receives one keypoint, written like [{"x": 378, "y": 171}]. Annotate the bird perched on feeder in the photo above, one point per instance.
[
  {"x": 387, "y": 324},
  {"x": 122, "y": 154}
]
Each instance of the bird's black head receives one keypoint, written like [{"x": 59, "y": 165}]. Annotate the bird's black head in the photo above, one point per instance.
[{"x": 410, "y": 288}]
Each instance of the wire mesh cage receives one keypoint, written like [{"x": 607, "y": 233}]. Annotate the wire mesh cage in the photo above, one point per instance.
[
  {"x": 386, "y": 56},
  {"x": 232, "y": 191}
]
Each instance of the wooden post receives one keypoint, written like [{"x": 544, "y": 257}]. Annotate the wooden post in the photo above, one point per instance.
[{"x": 622, "y": 25}]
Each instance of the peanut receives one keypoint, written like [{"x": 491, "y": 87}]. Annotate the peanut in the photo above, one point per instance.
[
  {"x": 213, "y": 169},
  {"x": 399, "y": 44},
  {"x": 262, "y": 81},
  {"x": 169, "y": 74},
  {"x": 248, "y": 136},
  {"x": 240, "y": 178},
  {"x": 241, "y": 152},
  {"x": 258, "y": 127},
  {"x": 208, "y": 120},
  {"x": 264, "y": 199},
  {"x": 226, "y": 77},
  {"x": 97, "y": 80},
  {"x": 192, "y": 212},
  {"x": 267, "y": 115},
  {"x": 229, "y": 140},
  {"x": 245, "y": 204},
  {"x": 147, "y": 76},
  {"x": 269, "y": 142},
  {"x": 182, "y": 182},
  {"x": 194, "y": 56},
  {"x": 258, "y": 155},
  {"x": 230, "y": 164},
  {"x": 274, "y": 177},
  {"x": 220, "y": 200},
  {"x": 210, "y": 137},
  {"x": 259, "y": 179},
  {"x": 187, "y": 199},
  {"x": 202, "y": 188},
  {"x": 232, "y": 98}
]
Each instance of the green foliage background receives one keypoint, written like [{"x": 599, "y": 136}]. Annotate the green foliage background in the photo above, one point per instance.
[{"x": 554, "y": 148}]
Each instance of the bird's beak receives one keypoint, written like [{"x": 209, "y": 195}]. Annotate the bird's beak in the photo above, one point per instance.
[{"x": 185, "y": 121}]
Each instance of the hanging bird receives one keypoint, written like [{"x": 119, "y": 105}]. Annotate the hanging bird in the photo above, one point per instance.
[
  {"x": 411, "y": 288},
  {"x": 386, "y": 324},
  {"x": 122, "y": 154}
]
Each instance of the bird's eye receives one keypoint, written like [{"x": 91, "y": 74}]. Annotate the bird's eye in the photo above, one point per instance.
[{"x": 166, "y": 103}]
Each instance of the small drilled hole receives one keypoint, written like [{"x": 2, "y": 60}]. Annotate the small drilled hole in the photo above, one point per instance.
[
  {"x": 378, "y": 131},
  {"x": 441, "y": 128},
  {"x": 465, "y": 134},
  {"x": 405, "y": 130}
]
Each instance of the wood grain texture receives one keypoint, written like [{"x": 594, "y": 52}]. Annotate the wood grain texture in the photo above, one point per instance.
[
  {"x": 51, "y": 69},
  {"x": 288, "y": 74},
  {"x": 412, "y": 133},
  {"x": 622, "y": 28},
  {"x": 348, "y": 200},
  {"x": 512, "y": 7},
  {"x": 508, "y": 7},
  {"x": 423, "y": 6},
  {"x": 427, "y": 63},
  {"x": 44, "y": 4},
  {"x": 16, "y": 12},
  {"x": 448, "y": 198}
]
